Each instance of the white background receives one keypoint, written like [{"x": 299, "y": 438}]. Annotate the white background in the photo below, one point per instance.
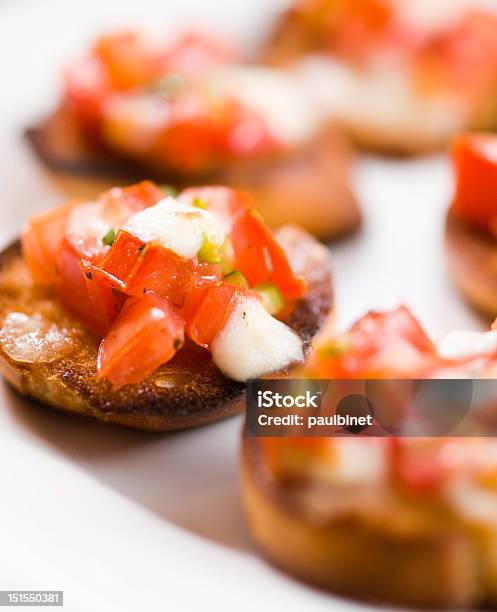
[{"x": 126, "y": 521}]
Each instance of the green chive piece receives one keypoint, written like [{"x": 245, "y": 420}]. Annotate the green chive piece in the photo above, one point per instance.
[
  {"x": 236, "y": 278},
  {"x": 334, "y": 348},
  {"x": 108, "y": 239},
  {"x": 271, "y": 297},
  {"x": 209, "y": 252},
  {"x": 169, "y": 190},
  {"x": 199, "y": 203}
]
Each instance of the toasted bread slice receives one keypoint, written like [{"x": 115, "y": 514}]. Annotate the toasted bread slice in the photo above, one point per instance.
[
  {"x": 367, "y": 542},
  {"x": 472, "y": 261},
  {"x": 308, "y": 185},
  {"x": 187, "y": 391}
]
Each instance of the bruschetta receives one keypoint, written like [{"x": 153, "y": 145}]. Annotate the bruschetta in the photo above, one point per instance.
[
  {"x": 150, "y": 310},
  {"x": 471, "y": 227},
  {"x": 188, "y": 112},
  {"x": 403, "y": 521},
  {"x": 400, "y": 77}
]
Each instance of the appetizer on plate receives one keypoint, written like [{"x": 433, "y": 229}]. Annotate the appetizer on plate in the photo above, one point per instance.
[
  {"x": 471, "y": 228},
  {"x": 401, "y": 76},
  {"x": 151, "y": 311},
  {"x": 406, "y": 521},
  {"x": 188, "y": 112}
]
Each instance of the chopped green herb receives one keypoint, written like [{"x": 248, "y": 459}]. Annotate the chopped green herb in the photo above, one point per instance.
[
  {"x": 199, "y": 203},
  {"x": 236, "y": 278},
  {"x": 271, "y": 297},
  {"x": 227, "y": 256},
  {"x": 334, "y": 348},
  {"x": 108, "y": 239},
  {"x": 169, "y": 190},
  {"x": 209, "y": 252}
]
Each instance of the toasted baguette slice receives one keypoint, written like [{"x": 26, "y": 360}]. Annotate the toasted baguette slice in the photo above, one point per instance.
[
  {"x": 185, "y": 392},
  {"x": 367, "y": 542},
  {"x": 472, "y": 261},
  {"x": 309, "y": 185}
]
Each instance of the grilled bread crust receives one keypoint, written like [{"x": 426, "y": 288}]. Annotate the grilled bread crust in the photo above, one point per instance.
[{"x": 187, "y": 391}]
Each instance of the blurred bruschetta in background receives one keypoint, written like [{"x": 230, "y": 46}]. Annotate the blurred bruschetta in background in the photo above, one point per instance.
[
  {"x": 405, "y": 521},
  {"x": 471, "y": 227},
  {"x": 400, "y": 76},
  {"x": 188, "y": 111}
]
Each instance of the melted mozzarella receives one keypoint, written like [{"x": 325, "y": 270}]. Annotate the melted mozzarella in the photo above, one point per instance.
[
  {"x": 133, "y": 122},
  {"x": 287, "y": 109},
  {"x": 179, "y": 227},
  {"x": 431, "y": 16},
  {"x": 356, "y": 461},
  {"x": 467, "y": 344},
  {"x": 380, "y": 99},
  {"x": 253, "y": 343}
]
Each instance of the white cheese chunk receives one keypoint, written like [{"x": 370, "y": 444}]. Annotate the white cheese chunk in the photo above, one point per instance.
[
  {"x": 253, "y": 343},
  {"x": 379, "y": 99},
  {"x": 467, "y": 344},
  {"x": 277, "y": 96},
  {"x": 179, "y": 227}
]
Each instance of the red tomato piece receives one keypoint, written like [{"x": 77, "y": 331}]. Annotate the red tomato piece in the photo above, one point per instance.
[
  {"x": 41, "y": 243},
  {"x": 146, "y": 334},
  {"x": 226, "y": 204},
  {"x": 123, "y": 202},
  {"x": 128, "y": 59},
  {"x": 194, "y": 53},
  {"x": 207, "y": 309},
  {"x": 261, "y": 259},
  {"x": 123, "y": 256},
  {"x": 381, "y": 344},
  {"x": 87, "y": 87},
  {"x": 475, "y": 163},
  {"x": 164, "y": 273},
  {"x": 422, "y": 465},
  {"x": 94, "y": 302}
]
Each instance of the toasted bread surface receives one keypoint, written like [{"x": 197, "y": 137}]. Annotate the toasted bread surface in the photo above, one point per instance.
[
  {"x": 187, "y": 391},
  {"x": 366, "y": 542},
  {"x": 472, "y": 262},
  {"x": 309, "y": 185}
]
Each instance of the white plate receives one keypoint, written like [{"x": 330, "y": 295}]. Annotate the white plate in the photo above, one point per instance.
[{"x": 127, "y": 521}]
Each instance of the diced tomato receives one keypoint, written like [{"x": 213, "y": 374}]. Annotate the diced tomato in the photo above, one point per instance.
[
  {"x": 207, "y": 309},
  {"x": 381, "y": 345},
  {"x": 422, "y": 465},
  {"x": 122, "y": 202},
  {"x": 128, "y": 59},
  {"x": 475, "y": 163},
  {"x": 123, "y": 256},
  {"x": 87, "y": 87},
  {"x": 190, "y": 142},
  {"x": 146, "y": 334},
  {"x": 137, "y": 268},
  {"x": 95, "y": 303},
  {"x": 164, "y": 273},
  {"x": 261, "y": 259},
  {"x": 41, "y": 243},
  {"x": 194, "y": 53},
  {"x": 226, "y": 204}
]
